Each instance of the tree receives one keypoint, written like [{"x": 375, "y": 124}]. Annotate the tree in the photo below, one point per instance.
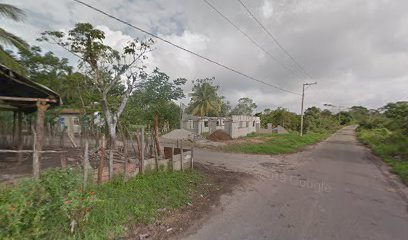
[
  {"x": 110, "y": 70},
  {"x": 398, "y": 114},
  {"x": 280, "y": 116},
  {"x": 8, "y": 39},
  {"x": 245, "y": 107},
  {"x": 16, "y": 14},
  {"x": 225, "y": 109},
  {"x": 205, "y": 100},
  {"x": 359, "y": 113},
  {"x": 154, "y": 98}
]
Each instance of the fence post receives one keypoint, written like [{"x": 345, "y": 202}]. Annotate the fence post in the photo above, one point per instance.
[
  {"x": 192, "y": 156},
  {"x": 156, "y": 157},
  {"x": 181, "y": 155},
  {"x": 19, "y": 136},
  {"x": 172, "y": 158},
  {"x": 125, "y": 155},
  {"x": 102, "y": 159},
  {"x": 142, "y": 148},
  {"x": 85, "y": 163}
]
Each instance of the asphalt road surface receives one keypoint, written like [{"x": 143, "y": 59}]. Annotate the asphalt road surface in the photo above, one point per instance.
[{"x": 334, "y": 190}]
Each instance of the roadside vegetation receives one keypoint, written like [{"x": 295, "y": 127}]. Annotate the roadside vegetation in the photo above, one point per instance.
[
  {"x": 385, "y": 131},
  {"x": 57, "y": 207},
  {"x": 319, "y": 124},
  {"x": 275, "y": 143}
]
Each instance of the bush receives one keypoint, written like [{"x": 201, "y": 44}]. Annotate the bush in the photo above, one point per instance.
[
  {"x": 49, "y": 208},
  {"x": 391, "y": 146},
  {"x": 33, "y": 207}
]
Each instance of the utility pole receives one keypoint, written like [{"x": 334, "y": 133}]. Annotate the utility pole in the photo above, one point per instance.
[{"x": 301, "y": 109}]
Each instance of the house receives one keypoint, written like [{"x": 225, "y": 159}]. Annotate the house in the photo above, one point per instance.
[
  {"x": 69, "y": 119},
  {"x": 235, "y": 126}
]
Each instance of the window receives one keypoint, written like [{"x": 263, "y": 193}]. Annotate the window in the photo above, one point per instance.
[
  {"x": 75, "y": 120},
  {"x": 218, "y": 123},
  {"x": 253, "y": 124},
  {"x": 205, "y": 123}
]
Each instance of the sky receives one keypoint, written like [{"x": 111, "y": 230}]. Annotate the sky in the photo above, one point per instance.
[{"x": 356, "y": 50}]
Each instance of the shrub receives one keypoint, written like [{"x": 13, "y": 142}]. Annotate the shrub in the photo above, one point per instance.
[{"x": 55, "y": 201}]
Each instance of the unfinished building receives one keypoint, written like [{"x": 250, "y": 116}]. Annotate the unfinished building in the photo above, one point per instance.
[{"x": 235, "y": 126}]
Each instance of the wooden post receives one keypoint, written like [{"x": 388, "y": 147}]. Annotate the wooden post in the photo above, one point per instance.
[
  {"x": 172, "y": 158},
  {"x": 36, "y": 161},
  {"x": 125, "y": 156},
  {"x": 156, "y": 156},
  {"x": 141, "y": 170},
  {"x": 102, "y": 159},
  {"x": 19, "y": 136},
  {"x": 14, "y": 133},
  {"x": 86, "y": 162},
  {"x": 192, "y": 156},
  {"x": 38, "y": 137},
  {"x": 181, "y": 155}
]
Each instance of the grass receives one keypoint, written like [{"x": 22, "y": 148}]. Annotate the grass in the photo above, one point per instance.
[
  {"x": 392, "y": 147},
  {"x": 276, "y": 143},
  {"x": 118, "y": 204}
]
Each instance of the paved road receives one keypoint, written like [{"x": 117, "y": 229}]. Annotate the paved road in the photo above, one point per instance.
[{"x": 335, "y": 190}]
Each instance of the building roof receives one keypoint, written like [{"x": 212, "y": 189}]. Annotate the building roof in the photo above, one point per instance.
[{"x": 18, "y": 93}]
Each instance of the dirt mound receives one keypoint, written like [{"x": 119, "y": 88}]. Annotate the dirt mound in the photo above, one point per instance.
[{"x": 219, "y": 135}]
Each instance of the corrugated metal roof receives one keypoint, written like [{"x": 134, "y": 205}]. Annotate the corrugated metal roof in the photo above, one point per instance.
[{"x": 19, "y": 93}]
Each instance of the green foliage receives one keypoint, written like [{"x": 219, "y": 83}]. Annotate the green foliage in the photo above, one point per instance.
[
  {"x": 33, "y": 207},
  {"x": 7, "y": 39},
  {"x": 359, "y": 113},
  {"x": 316, "y": 120},
  {"x": 398, "y": 115},
  {"x": 245, "y": 107},
  {"x": 277, "y": 143},
  {"x": 280, "y": 116},
  {"x": 205, "y": 100},
  {"x": 44, "y": 209},
  {"x": 391, "y": 146},
  {"x": 155, "y": 95}
]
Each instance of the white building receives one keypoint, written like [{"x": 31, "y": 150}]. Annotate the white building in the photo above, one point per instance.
[{"x": 235, "y": 126}]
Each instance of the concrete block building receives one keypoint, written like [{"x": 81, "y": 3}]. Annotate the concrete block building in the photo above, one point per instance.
[{"x": 235, "y": 126}]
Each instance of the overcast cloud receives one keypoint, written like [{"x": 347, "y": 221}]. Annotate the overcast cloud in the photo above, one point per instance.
[{"x": 355, "y": 49}]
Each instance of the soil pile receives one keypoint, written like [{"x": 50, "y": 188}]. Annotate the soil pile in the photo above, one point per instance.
[{"x": 219, "y": 135}]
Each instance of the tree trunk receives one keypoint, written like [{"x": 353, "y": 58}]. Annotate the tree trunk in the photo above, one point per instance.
[
  {"x": 112, "y": 134},
  {"x": 156, "y": 134}
]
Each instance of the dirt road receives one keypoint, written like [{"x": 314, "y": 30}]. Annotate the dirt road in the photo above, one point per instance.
[{"x": 334, "y": 190}]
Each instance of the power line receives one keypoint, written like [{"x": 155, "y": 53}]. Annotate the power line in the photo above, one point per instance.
[
  {"x": 275, "y": 40},
  {"x": 184, "y": 49},
  {"x": 250, "y": 38}
]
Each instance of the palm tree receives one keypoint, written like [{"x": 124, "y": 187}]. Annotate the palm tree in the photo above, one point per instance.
[
  {"x": 9, "y": 39},
  {"x": 205, "y": 99}
]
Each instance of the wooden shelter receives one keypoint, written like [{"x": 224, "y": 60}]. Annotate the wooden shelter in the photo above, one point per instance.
[{"x": 21, "y": 95}]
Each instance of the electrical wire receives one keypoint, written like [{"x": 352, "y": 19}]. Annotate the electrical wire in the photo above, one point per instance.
[
  {"x": 274, "y": 39},
  {"x": 185, "y": 49},
  {"x": 250, "y": 38}
]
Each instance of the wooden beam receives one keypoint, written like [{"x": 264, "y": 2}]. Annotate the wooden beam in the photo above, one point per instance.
[
  {"x": 29, "y": 151},
  {"x": 25, "y": 99}
]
